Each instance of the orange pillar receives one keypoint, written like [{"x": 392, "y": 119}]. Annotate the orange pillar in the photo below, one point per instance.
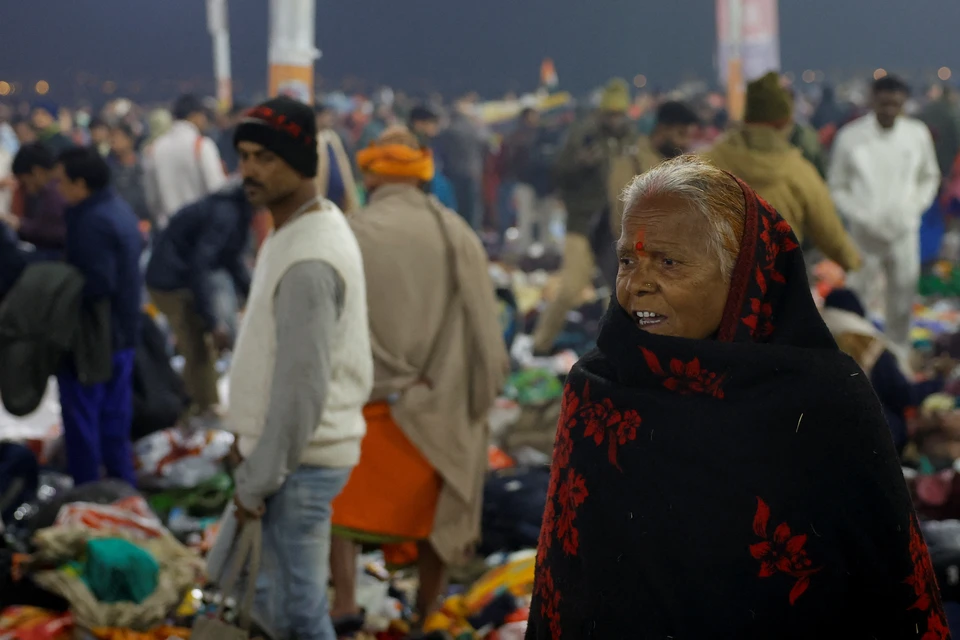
[{"x": 292, "y": 48}]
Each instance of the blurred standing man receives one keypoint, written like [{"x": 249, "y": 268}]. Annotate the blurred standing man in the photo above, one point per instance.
[
  {"x": 942, "y": 116},
  {"x": 100, "y": 136},
  {"x": 103, "y": 242},
  {"x": 42, "y": 223},
  {"x": 335, "y": 171},
  {"x": 532, "y": 193},
  {"x": 462, "y": 149},
  {"x": 760, "y": 154},
  {"x": 48, "y": 128},
  {"x": 201, "y": 239},
  {"x": 126, "y": 169},
  {"x": 883, "y": 176},
  {"x": 425, "y": 125},
  {"x": 598, "y": 161},
  {"x": 24, "y": 131},
  {"x": 440, "y": 362},
  {"x": 183, "y": 165},
  {"x": 302, "y": 369}
]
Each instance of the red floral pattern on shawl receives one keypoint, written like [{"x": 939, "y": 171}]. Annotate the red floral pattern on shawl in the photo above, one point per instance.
[
  {"x": 768, "y": 303},
  {"x": 923, "y": 581},
  {"x": 687, "y": 377},
  {"x": 782, "y": 553}
]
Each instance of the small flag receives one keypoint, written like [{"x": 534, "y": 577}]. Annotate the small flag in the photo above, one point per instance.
[{"x": 548, "y": 74}]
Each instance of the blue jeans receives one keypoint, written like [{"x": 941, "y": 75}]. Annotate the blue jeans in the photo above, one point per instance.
[
  {"x": 294, "y": 573},
  {"x": 96, "y": 422}
]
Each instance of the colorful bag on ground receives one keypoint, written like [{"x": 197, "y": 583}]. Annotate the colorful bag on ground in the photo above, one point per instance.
[
  {"x": 180, "y": 570},
  {"x": 129, "y": 515}
]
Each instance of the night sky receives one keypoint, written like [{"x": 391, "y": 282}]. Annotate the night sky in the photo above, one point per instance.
[{"x": 454, "y": 45}]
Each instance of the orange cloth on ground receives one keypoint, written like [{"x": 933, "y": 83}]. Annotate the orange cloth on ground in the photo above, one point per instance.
[{"x": 393, "y": 491}]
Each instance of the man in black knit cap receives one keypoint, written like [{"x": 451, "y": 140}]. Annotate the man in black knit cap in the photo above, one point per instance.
[{"x": 301, "y": 372}]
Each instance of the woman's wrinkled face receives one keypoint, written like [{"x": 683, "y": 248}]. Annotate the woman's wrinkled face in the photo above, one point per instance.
[{"x": 670, "y": 281}]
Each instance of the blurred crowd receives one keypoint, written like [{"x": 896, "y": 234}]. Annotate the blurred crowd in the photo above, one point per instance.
[{"x": 169, "y": 206}]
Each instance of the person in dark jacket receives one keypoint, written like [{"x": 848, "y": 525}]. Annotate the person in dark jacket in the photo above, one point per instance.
[
  {"x": 534, "y": 197},
  {"x": 104, "y": 244},
  {"x": 44, "y": 118},
  {"x": 857, "y": 337},
  {"x": 462, "y": 150},
  {"x": 202, "y": 238},
  {"x": 425, "y": 124},
  {"x": 599, "y": 159},
  {"x": 42, "y": 223},
  {"x": 12, "y": 262},
  {"x": 126, "y": 169}
]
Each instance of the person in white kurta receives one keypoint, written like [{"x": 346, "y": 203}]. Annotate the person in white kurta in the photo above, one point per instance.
[{"x": 883, "y": 177}]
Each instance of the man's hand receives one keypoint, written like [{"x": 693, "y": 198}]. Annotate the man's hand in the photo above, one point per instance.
[
  {"x": 222, "y": 340},
  {"x": 10, "y": 220},
  {"x": 234, "y": 457},
  {"x": 244, "y": 515}
]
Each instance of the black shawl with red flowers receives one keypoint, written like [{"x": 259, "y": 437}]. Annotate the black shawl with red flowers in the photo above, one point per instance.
[{"x": 743, "y": 487}]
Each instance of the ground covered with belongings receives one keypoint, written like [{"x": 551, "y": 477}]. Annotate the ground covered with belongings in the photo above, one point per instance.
[{"x": 109, "y": 561}]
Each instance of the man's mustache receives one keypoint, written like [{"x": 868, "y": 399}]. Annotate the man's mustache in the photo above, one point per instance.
[{"x": 248, "y": 182}]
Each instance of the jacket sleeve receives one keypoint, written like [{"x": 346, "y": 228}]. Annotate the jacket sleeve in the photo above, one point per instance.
[
  {"x": 99, "y": 267},
  {"x": 823, "y": 225},
  {"x": 206, "y": 255},
  {"x": 308, "y": 303},
  {"x": 240, "y": 273},
  {"x": 48, "y": 228},
  {"x": 840, "y": 179}
]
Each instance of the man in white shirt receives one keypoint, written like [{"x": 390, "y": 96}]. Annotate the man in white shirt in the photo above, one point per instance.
[
  {"x": 883, "y": 177},
  {"x": 182, "y": 165}
]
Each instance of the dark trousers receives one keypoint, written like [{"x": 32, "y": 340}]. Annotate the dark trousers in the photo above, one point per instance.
[
  {"x": 468, "y": 190},
  {"x": 96, "y": 423},
  {"x": 19, "y": 476}
]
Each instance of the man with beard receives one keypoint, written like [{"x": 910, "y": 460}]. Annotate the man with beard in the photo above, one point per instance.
[
  {"x": 599, "y": 160},
  {"x": 760, "y": 154},
  {"x": 301, "y": 373}
]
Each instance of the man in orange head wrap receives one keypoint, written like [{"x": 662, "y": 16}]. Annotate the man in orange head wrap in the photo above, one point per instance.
[{"x": 439, "y": 361}]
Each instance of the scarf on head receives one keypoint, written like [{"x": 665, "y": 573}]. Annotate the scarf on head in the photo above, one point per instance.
[
  {"x": 397, "y": 161},
  {"x": 742, "y": 487}
]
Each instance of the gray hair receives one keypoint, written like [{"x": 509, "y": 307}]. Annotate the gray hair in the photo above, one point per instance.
[{"x": 709, "y": 190}]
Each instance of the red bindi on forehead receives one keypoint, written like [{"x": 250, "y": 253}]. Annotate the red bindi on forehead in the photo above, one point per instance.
[{"x": 640, "y": 247}]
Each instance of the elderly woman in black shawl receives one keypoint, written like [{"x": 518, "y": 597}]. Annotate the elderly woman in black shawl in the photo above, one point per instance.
[{"x": 721, "y": 469}]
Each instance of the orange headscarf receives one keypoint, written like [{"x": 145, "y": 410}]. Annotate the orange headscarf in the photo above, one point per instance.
[{"x": 397, "y": 154}]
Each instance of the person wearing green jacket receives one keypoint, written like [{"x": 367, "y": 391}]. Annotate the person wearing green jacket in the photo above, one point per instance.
[{"x": 594, "y": 151}]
